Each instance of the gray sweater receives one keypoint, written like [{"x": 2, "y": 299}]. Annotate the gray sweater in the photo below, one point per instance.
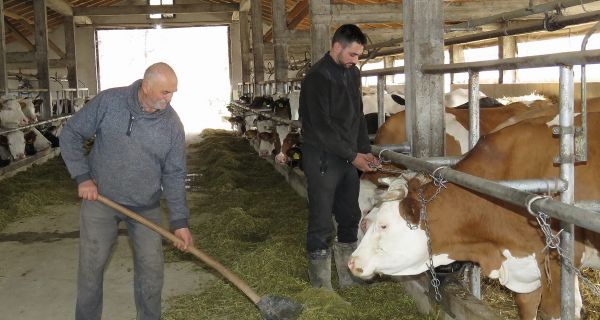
[{"x": 134, "y": 154}]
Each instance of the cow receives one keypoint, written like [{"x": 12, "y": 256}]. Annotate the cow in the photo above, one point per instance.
[
  {"x": 268, "y": 144},
  {"x": 35, "y": 142},
  {"x": 290, "y": 151},
  {"x": 78, "y": 103},
  {"x": 14, "y": 141},
  {"x": 238, "y": 124},
  {"x": 11, "y": 115},
  {"x": 28, "y": 109},
  {"x": 457, "y": 126},
  {"x": 503, "y": 239},
  {"x": 372, "y": 121},
  {"x": 392, "y": 103},
  {"x": 251, "y": 134},
  {"x": 459, "y": 97}
]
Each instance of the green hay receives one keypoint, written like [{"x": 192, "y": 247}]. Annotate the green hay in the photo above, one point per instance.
[
  {"x": 254, "y": 224},
  {"x": 26, "y": 193}
]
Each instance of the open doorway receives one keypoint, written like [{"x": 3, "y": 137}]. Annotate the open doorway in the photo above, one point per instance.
[{"x": 199, "y": 55}]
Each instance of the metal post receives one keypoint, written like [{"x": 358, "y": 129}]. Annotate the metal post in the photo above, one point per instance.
[
  {"x": 380, "y": 101},
  {"x": 473, "y": 108},
  {"x": 567, "y": 173}
]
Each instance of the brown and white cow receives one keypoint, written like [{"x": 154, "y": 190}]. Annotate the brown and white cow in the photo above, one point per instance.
[
  {"x": 503, "y": 239},
  {"x": 11, "y": 115}
]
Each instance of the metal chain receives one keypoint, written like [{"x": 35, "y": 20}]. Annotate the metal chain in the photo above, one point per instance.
[
  {"x": 440, "y": 183},
  {"x": 553, "y": 242}
]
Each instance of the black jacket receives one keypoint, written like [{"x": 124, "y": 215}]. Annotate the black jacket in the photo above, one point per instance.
[{"x": 331, "y": 110}]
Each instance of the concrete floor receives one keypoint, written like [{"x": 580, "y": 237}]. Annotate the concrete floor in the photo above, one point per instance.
[{"x": 38, "y": 270}]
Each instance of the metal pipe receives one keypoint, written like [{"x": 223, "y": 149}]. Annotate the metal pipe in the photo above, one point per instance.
[
  {"x": 581, "y": 217},
  {"x": 593, "y": 205},
  {"x": 382, "y": 72},
  {"x": 519, "y": 13},
  {"x": 567, "y": 173},
  {"x": 545, "y": 60},
  {"x": 562, "y": 21},
  {"x": 35, "y": 124},
  {"x": 380, "y": 101},
  {"x": 581, "y": 148},
  {"x": 473, "y": 108},
  {"x": 400, "y": 148},
  {"x": 543, "y": 186},
  {"x": 293, "y": 123}
]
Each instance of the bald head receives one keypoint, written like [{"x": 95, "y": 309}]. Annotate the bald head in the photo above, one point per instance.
[
  {"x": 159, "y": 70},
  {"x": 158, "y": 86}
]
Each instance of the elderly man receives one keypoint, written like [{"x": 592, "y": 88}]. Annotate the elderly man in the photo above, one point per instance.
[{"x": 138, "y": 155}]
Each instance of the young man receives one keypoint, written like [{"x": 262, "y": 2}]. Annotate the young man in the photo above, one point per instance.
[
  {"x": 335, "y": 145},
  {"x": 138, "y": 155}
]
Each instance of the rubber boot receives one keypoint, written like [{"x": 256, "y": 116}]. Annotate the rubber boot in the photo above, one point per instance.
[
  {"x": 342, "y": 252},
  {"x": 319, "y": 269}
]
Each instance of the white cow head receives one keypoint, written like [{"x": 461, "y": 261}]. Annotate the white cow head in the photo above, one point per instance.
[
  {"x": 390, "y": 245},
  {"x": 16, "y": 144},
  {"x": 11, "y": 115},
  {"x": 28, "y": 109}
]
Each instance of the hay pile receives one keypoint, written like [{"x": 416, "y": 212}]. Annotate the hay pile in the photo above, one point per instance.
[
  {"x": 25, "y": 194},
  {"x": 253, "y": 223}
]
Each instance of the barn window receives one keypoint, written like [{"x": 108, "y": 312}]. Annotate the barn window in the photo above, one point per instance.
[{"x": 161, "y": 15}]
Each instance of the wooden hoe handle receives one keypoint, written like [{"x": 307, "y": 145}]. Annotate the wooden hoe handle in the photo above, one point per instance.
[{"x": 239, "y": 283}]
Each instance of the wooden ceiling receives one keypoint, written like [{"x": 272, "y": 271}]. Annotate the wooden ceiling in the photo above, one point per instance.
[{"x": 19, "y": 14}]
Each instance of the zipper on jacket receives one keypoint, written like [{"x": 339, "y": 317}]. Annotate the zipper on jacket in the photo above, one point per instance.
[{"x": 130, "y": 125}]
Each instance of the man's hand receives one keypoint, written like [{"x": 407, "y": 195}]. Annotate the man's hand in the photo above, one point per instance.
[
  {"x": 186, "y": 239},
  {"x": 365, "y": 162},
  {"x": 87, "y": 190}
]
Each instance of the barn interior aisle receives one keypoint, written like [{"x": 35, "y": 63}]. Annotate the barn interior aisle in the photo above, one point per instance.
[{"x": 250, "y": 220}]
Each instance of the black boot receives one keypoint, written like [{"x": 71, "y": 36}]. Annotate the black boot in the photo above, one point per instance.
[
  {"x": 319, "y": 269},
  {"x": 342, "y": 252}
]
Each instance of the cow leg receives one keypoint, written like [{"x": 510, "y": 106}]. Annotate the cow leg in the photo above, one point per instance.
[{"x": 528, "y": 304}]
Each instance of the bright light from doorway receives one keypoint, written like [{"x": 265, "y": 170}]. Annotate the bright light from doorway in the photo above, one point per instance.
[{"x": 200, "y": 57}]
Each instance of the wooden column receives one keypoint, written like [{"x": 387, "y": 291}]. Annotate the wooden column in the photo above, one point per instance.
[
  {"x": 507, "y": 48},
  {"x": 423, "y": 43},
  {"x": 41, "y": 54},
  {"x": 257, "y": 44},
  {"x": 70, "y": 52},
  {"x": 320, "y": 16},
  {"x": 457, "y": 55},
  {"x": 3, "y": 68},
  {"x": 245, "y": 46},
  {"x": 280, "y": 44}
]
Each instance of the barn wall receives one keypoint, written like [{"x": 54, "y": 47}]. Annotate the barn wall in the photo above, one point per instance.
[{"x": 86, "y": 58}]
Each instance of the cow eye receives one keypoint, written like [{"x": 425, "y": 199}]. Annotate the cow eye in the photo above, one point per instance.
[{"x": 383, "y": 226}]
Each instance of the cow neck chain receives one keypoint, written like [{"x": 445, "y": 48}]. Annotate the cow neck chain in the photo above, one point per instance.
[
  {"x": 440, "y": 183},
  {"x": 553, "y": 242}
]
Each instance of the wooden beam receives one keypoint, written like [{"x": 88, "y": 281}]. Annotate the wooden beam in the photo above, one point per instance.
[
  {"x": 423, "y": 36},
  {"x": 296, "y": 15},
  {"x": 70, "y": 52},
  {"x": 51, "y": 44},
  {"x": 319, "y": 28},
  {"x": 147, "y": 9},
  {"x": 41, "y": 53},
  {"x": 245, "y": 5},
  {"x": 20, "y": 37},
  {"x": 257, "y": 44},
  {"x": 280, "y": 44},
  {"x": 3, "y": 68},
  {"x": 16, "y": 57},
  {"x": 366, "y": 13},
  {"x": 61, "y": 7},
  {"x": 52, "y": 63},
  {"x": 245, "y": 46}
]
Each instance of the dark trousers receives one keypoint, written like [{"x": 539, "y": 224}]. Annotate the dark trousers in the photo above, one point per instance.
[{"x": 332, "y": 190}]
